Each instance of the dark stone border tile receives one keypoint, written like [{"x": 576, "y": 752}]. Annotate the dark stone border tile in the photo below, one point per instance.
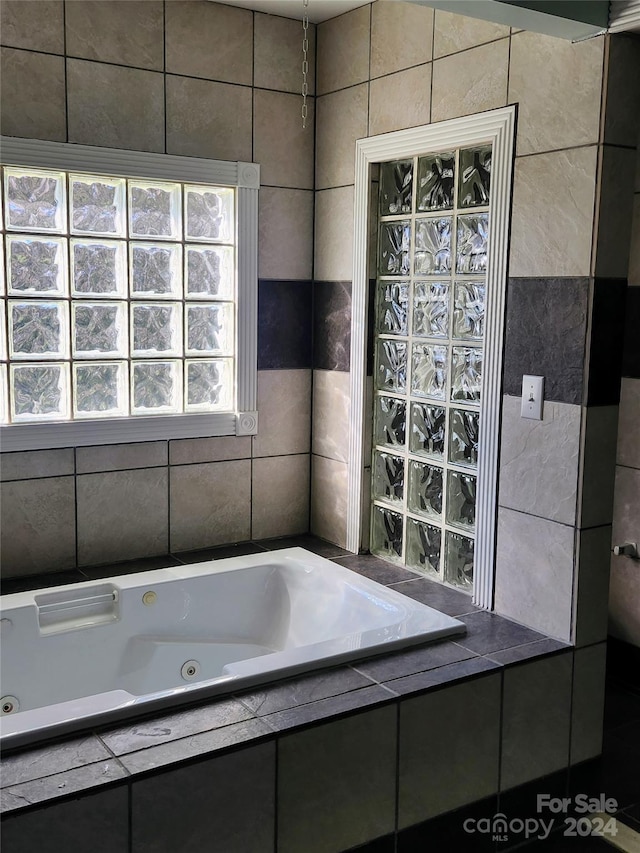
[
  {"x": 488, "y": 633},
  {"x": 388, "y": 667},
  {"x": 241, "y": 549},
  {"x": 61, "y": 784},
  {"x": 284, "y": 324},
  {"x": 438, "y": 596},
  {"x": 450, "y": 674},
  {"x": 332, "y": 325},
  {"x": 8, "y": 586},
  {"x": 56, "y": 758},
  {"x": 375, "y": 569},
  {"x": 306, "y": 540},
  {"x": 447, "y": 832},
  {"x": 631, "y": 350},
  {"x": 331, "y": 708},
  {"x": 606, "y": 346},
  {"x": 517, "y": 654},
  {"x": 130, "y": 567}
]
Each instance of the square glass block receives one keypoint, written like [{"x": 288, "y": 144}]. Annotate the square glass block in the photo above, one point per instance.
[
  {"x": 391, "y": 366},
  {"x": 425, "y": 489},
  {"x": 393, "y": 298},
  {"x": 99, "y": 329},
  {"x": 390, "y": 421},
  {"x": 209, "y": 385},
  {"x": 429, "y": 371},
  {"x": 35, "y": 200},
  {"x": 432, "y": 254},
  {"x": 394, "y": 248},
  {"x": 461, "y": 499},
  {"x": 458, "y": 560},
  {"x": 209, "y": 329},
  {"x": 3, "y": 330},
  {"x": 209, "y": 214},
  {"x": 468, "y": 310},
  {"x": 396, "y": 186},
  {"x": 39, "y": 392},
  {"x": 38, "y": 329},
  {"x": 4, "y": 395},
  {"x": 466, "y": 374},
  {"x": 156, "y": 328},
  {"x": 209, "y": 272},
  {"x": 388, "y": 477},
  {"x": 464, "y": 429},
  {"x": 100, "y": 390},
  {"x": 155, "y": 210},
  {"x": 36, "y": 266},
  {"x": 473, "y": 240},
  {"x": 156, "y": 387},
  {"x": 98, "y": 268},
  {"x": 155, "y": 271},
  {"x": 97, "y": 205},
  {"x": 423, "y": 547},
  {"x": 386, "y": 533},
  {"x": 475, "y": 176},
  {"x": 427, "y": 430},
  {"x": 436, "y": 173},
  {"x": 431, "y": 309}
]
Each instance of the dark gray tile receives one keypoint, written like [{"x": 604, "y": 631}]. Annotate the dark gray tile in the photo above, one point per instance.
[
  {"x": 308, "y": 541},
  {"x": 47, "y": 760},
  {"x": 284, "y": 324},
  {"x": 130, "y": 567},
  {"x": 386, "y": 844},
  {"x": 10, "y": 585},
  {"x": 447, "y": 832},
  {"x": 412, "y": 661},
  {"x": 621, "y": 705},
  {"x": 170, "y": 727},
  {"x": 324, "y": 708},
  {"x": 522, "y": 802},
  {"x": 631, "y": 353},
  {"x": 527, "y": 651},
  {"x": 242, "y": 549},
  {"x": 488, "y": 633},
  {"x": 606, "y": 346},
  {"x": 545, "y": 335},
  {"x": 438, "y": 596},
  {"x": 375, "y": 568},
  {"x": 301, "y": 691},
  {"x": 332, "y": 325},
  {"x": 226, "y": 803},
  {"x": 61, "y": 784},
  {"x": 442, "y": 675}
]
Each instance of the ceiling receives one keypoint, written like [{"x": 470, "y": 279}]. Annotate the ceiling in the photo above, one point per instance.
[{"x": 319, "y": 10}]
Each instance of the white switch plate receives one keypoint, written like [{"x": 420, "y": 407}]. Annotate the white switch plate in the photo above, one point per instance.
[{"x": 532, "y": 394}]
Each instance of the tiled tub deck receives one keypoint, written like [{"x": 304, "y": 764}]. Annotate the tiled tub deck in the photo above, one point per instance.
[{"x": 370, "y": 753}]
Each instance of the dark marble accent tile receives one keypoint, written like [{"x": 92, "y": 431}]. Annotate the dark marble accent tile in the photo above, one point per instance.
[
  {"x": 517, "y": 654},
  {"x": 447, "y": 832},
  {"x": 331, "y": 707},
  {"x": 195, "y": 746},
  {"x": 170, "y": 727},
  {"x": 376, "y": 569},
  {"x": 61, "y": 784},
  {"x": 130, "y": 567},
  {"x": 306, "y": 540},
  {"x": 631, "y": 351},
  {"x": 301, "y": 691},
  {"x": 521, "y": 803},
  {"x": 386, "y": 844},
  {"x": 371, "y": 325},
  {"x": 22, "y": 584},
  {"x": 442, "y": 675},
  {"x": 56, "y": 758},
  {"x": 438, "y": 596},
  {"x": 415, "y": 660},
  {"x": 332, "y": 325},
  {"x": 606, "y": 346},
  {"x": 284, "y": 324},
  {"x": 545, "y": 335},
  {"x": 488, "y": 633},
  {"x": 242, "y": 549},
  {"x": 621, "y": 706}
]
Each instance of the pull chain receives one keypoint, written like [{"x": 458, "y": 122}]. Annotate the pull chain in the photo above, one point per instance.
[{"x": 305, "y": 61}]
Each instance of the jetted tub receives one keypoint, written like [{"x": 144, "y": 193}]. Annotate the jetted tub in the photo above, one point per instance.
[{"x": 84, "y": 654}]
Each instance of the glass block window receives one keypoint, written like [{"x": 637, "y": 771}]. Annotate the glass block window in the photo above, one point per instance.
[
  {"x": 433, "y": 251},
  {"x": 118, "y": 297}
]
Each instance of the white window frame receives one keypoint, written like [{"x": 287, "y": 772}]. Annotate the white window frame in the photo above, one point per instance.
[
  {"x": 496, "y": 127},
  {"x": 245, "y": 177}
]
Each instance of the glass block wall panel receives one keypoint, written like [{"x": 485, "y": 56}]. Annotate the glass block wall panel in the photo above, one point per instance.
[
  {"x": 38, "y": 330},
  {"x": 36, "y": 266},
  {"x": 209, "y": 214},
  {"x": 475, "y": 176},
  {"x": 209, "y": 272},
  {"x": 473, "y": 236},
  {"x": 155, "y": 210},
  {"x": 424, "y": 542},
  {"x": 39, "y": 392},
  {"x": 156, "y": 329},
  {"x": 35, "y": 200},
  {"x": 208, "y": 385},
  {"x": 209, "y": 329},
  {"x": 394, "y": 248},
  {"x": 396, "y": 187},
  {"x": 425, "y": 489},
  {"x": 387, "y": 533},
  {"x": 461, "y": 499},
  {"x": 464, "y": 429},
  {"x": 97, "y": 205},
  {"x": 432, "y": 254},
  {"x": 100, "y": 389},
  {"x": 390, "y": 421},
  {"x": 428, "y": 430},
  {"x": 388, "y": 477},
  {"x": 436, "y": 182},
  {"x": 391, "y": 366},
  {"x": 429, "y": 371},
  {"x": 100, "y": 330},
  {"x": 468, "y": 310},
  {"x": 431, "y": 309},
  {"x": 466, "y": 373},
  {"x": 98, "y": 269},
  {"x": 156, "y": 387},
  {"x": 155, "y": 271},
  {"x": 392, "y": 308},
  {"x": 458, "y": 563}
]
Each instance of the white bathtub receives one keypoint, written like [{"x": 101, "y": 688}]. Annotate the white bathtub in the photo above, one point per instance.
[{"x": 78, "y": 655}]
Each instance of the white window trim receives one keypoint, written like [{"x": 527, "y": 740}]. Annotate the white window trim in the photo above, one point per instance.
[
  {"x": 496, "y": 127},
  {"x": 167, "y": 167}
]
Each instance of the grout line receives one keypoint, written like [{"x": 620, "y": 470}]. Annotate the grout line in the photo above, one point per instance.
[
  {"x": 164, "y": 68},
  {"x": 65, "y": 59},
  {"x": 557, "y": 151}
]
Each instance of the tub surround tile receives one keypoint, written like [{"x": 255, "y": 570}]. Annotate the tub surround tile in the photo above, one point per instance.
[
  {"x": 285, "y": 241},
  {"x": 118, "y": 457},
  {"x": 111, "y": 502},
  {"x": 280, "y": 496},
  {"x": 600, "y": 426},
  {"x": 280, "y": 144},
  {"x": 587, "y": 705},
  {"x": 376, "y": 569},
  {"x": 631, "y": 352},
  {"x": 615, "y": 213},
  {"x": 449, "y": 674},
  {"x": 53, "y": 759},
  {"x": 38, "y": 526},
  {"x": 546, "y": 326},
  {"x": 9, "y": 586},
  {"x": 453, "y": 33},
  {"x": 31, "y": 464},
  {"x": 331, "y": 405},
  {"x": 487, "y": 633},
  {"x": 434, "y": 594},
  {"x": 332, "y": 706},
  {"x": 628, "y": 446},
  {"x": 188, "y": 451},
  {"x": 284, "y": 325},
  {"x": 447, "y": 832},
  {"x": 518, "y": 654},
  {"x": 522, "y": 802},
  {"x": 278, "y": 54},
  {"x": 401, "y": 37},
  {"x": 332, "y": 325},
  {"x": 333, "y": 244},
  {"x": 242, "y": 549},
  {"x": 341, "y": 119},
  {"x": 400, "y": 664},
  {"x": 31, "y": 26},
  {"x": 343, "y": 50},
  {"x": 400, "y": 100},
  {"x": 471, "y": 81},
  {"x": 622, "y": 106},
  {"x": 130, "y": 567},
  {"x": 311, "y": 543},
  {"x": 284, "y": 406},
  {"x": 33, "y": 95}
]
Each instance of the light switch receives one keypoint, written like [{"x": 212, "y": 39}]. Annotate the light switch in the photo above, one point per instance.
[{"x": 532, "y": 394}]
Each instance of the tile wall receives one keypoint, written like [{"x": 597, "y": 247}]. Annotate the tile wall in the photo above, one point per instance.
[{"x": 203, "y": 80}]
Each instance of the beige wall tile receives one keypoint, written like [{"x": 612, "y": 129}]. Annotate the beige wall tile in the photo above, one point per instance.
[
  {"x": 343, "y": 50},
  {"x": 615, "y": 213},
  {"x": 285, "y": 242},
  {"x": 539, "y": 460},
  {"x": 624, "y": 599},
  {"x": 591, "y": 593},
  {"x": 401, "y": 36},
  {"x": 400, "y": 100},
  {"x": 122, "y": 515},
  {"x": 278, "y": 54},
  {"x": 622, "y": 107},
  {"x": 280, "y": 496},
  {"x": 35, "y": 26},
  {"x": 30, "y": 464},
  {"x": 587, "y": 716},
  {"x": 341, "y": 119},
  {"x": 534, "y": 572},
  {"x": 628, "y": 447},
  {"x": 329, "y": 481},
  {"x": 557, "y": 85},
  {"x": 128, "y": 33},
  {"x": 37, "y": 526},
  {"x": 33, "y": 99},
  {"x": 470, "y": 82},
  {"x": 183, "y": 451},
  {"x": 281, "y": 145},
  {"x": 458, "y": 32},
  {"x": 334, "y": 235},
  {"x": 598, "y": 465},
  {"x": 115, "y": 107},
  {"x": 210, "y": 504},
  {"x": 210, "y": 40},
  {"x": 552, "y": 213},
  {"x": 207, "y": 119},
  {"x": 119, "y": 457},
  {"x": 331, "y": 406},
  {"x": 284, "y": 412},
  {"x": 634, "y": 247}
]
